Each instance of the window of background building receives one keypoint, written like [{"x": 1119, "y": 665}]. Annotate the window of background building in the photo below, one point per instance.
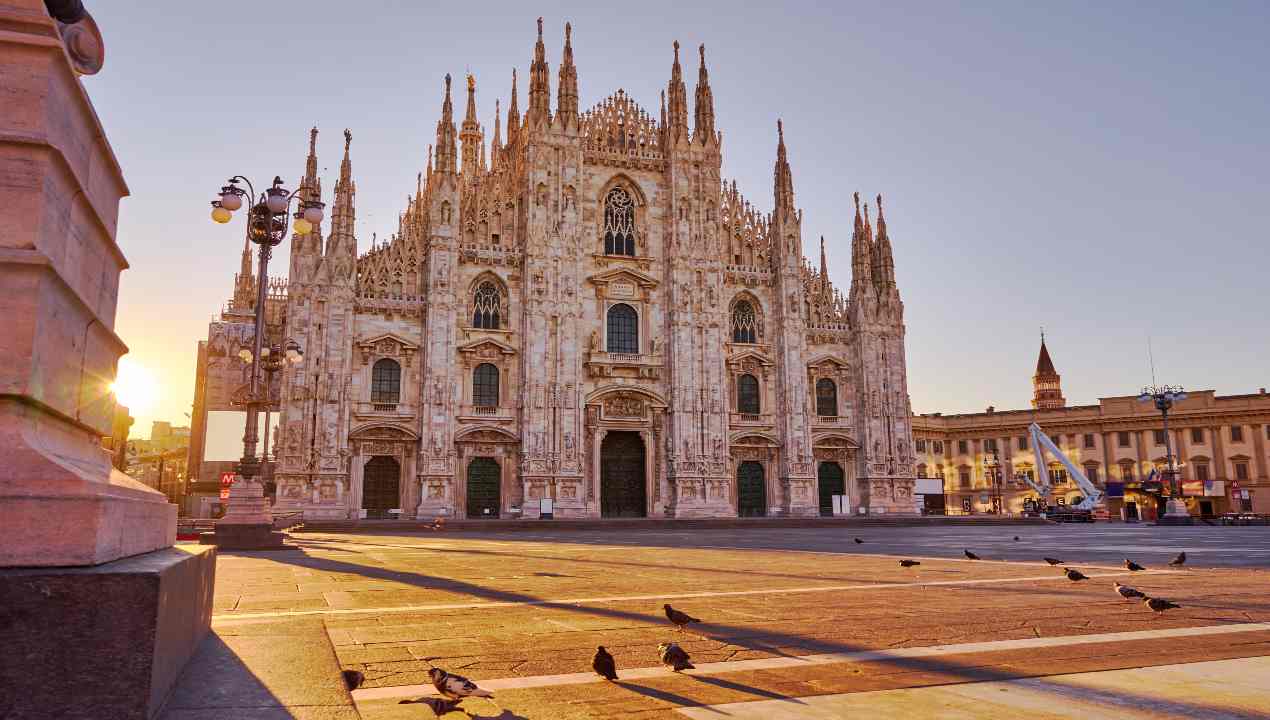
[
  {"x": 623, "y": 329},
  {"x": 965, "y": 478},
  {"x": 826, "y": 398},
  {"x": 1122, "y": 438},
  {"x": 1091, "y": 473},
  {"x": 1197, "y": 436},
  {"x": 1241, "y": 471},
  {"x": 1059, "y": 475},
  {"x": 744, "y": 323},
  {"x": 963, "y": 446},
  {"x": 1236, "y": 433},
  {"x": 921, "y": 471},
  {"x": 385, "y": 382},
  {"x": 990, "y": 444},
  {"x": 1159, "y": 436},
  {"x": 939, "y": 447},
  {"x": 747, "y": 395},
  {"x": 1089, "y": 440},
  {"x": 921, "y": 445},
  {"x": 1201, "y": 472},
  {"x": 1126, "y": 473},
  {"x": 1023, "y": 442},
  {"x": 485, "y": 386}
]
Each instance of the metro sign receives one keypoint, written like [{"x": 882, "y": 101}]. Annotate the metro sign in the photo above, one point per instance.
[{"x": 226, "y": 480}]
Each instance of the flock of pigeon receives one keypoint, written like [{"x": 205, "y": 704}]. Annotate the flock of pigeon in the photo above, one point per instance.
[
  {"x": 454, "y": 689},
  {"x": 1159, "y": 605}
]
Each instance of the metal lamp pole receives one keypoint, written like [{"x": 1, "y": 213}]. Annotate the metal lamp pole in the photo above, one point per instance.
[
  {"x": 993, "y": 465},
  {"x": 1163, "y": 396},
  {"x": 267, "y": 221}
]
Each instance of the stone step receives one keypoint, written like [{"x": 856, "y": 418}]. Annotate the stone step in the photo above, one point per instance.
[{"x": 326, "y": 526}]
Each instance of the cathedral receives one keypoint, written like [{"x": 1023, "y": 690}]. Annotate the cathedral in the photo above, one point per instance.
[{"x": 579, "y": 315}]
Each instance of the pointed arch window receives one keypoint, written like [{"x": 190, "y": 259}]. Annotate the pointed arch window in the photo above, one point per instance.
[
  {"x": 619, "y": 223},
  {"x": 485, "y": 385},
  {"x": 747, "y": 395},
  {"x": 385, "y": 382},
  {"x": 744, "y": 323},
  {"x": 486, "y": 306},
  {"x": 623, "y": 326},
  {"x": 826, "y": 398}
]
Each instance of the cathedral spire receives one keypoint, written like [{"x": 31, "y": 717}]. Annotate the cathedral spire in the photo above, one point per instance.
[
  {"x": 861, "y": 254},
  {"x": 539, "y": 85},
  {"x": 341, "y": 237},
  {"x": 567, "y": 99},
  {"x": 677, "y": 101},
  {"x": 783, "y": 178},
  {"x": 470, "y": 135},
  {"x": 429, "y": 166},
  {"x": 703, "y": 129},
  {"x": 824, "y": 266},
  {"x": 513, "y": 115},
  {"x": 496, "y": 145},
  {"x": 886, "y": 262},
  {"x": 311, "y": 184},
  {"x": 446, "y": 161}
]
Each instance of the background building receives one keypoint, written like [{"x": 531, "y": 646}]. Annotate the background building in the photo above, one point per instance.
[
  {"x": 1221, "y": 446},
  {"x": 584, "y": 311}
]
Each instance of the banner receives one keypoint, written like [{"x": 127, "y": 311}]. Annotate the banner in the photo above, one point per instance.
[{"x": 1115, "y": 489}]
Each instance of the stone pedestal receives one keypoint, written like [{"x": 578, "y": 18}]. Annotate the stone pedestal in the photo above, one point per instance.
[
  {"x": 98, "y": 612},
  {"x": 248, "y": 524},
  {"x": 1175, "y": 513},
  {"x": 107, "y": 641}
]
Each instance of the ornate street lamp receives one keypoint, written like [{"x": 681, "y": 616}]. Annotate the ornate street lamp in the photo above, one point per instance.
[
  {"x": 992, "y": 466},
  {"x": 247, "y": 522},
  {"x": 1164, "y": 396}
]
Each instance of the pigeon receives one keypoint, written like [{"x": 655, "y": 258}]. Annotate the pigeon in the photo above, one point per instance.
[
  {"x": 455, "y": 687},
  {"x": 674, "y": 656},
  {"x": 603, "y": 664},
  {"x": 1075, "y": 575},
  {"x": 1178, "y": 561},
  {"x": 970, "y": 555},
  {"x": 440, "y": 706},
  {"x": 1159, "y": 605},
  {"x": 858, "y": 541},
  {"x": 1127, "y": 592},
  {"x": 908, "y": 563},
  {"x": 353, "y": 679},
  {"x": 1133, "y": 566},
  {"x": 1016, "y": 538},
  {"x": 437, "y": 524},
  {"x": 1053, "y": 561},
  {"x": 680, "y": 619}
]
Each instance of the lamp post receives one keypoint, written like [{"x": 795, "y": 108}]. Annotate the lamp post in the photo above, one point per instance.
[
  {"x": 247, "y": 522},
  {"x": 992, "y": 466},
  {"x": 273, "y": 359},
  {"x": 1163, "y": 396}
]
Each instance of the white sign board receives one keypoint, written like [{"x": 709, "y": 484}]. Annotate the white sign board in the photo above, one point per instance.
[{"x": 544, "y": 506}]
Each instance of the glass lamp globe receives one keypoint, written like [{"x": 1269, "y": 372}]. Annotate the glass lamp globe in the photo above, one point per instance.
[
  {"x": 221, "y": 215},
  {"x": 231, "y": 201},
  {"x": 277, "y": 200},
  {"x": 302, "y": 226},
  {"x": 244, "y": 355},
  {"x": 313, "y": 214}
]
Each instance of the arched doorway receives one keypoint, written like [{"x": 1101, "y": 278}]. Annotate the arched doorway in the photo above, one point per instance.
[
  {"x": 622, "y": 491},
  {"x": 751, "y": 490},
  {"x": 483, "y": 488},
  {"x": 381, "y": 486},
  {"x": 831, "y": 481}
]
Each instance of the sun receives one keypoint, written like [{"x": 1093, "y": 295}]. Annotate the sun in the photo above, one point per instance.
[{"x": 135, "y": 387}]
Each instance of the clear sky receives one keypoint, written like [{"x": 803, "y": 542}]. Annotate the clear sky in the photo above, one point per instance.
[{"x": 1102, "y": 169}]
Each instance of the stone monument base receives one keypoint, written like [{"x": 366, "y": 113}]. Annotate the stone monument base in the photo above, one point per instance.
[
  {"x": 1175, "y": 514},
  {"x": 106, "y": 641},
  {"x": 244, "y": 536}
]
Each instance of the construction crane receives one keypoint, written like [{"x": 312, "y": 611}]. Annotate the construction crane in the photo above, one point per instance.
[{"x": 1040, "y": 443}]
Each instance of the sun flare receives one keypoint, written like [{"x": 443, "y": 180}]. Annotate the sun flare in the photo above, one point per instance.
[{"x": 135, "y": 387}]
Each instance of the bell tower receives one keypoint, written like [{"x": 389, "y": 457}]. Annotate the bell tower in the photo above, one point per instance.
[{"x": 1047, "y": 390}]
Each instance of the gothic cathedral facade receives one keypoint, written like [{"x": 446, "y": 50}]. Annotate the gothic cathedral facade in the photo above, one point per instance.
[{"x": 589, "y": 316}]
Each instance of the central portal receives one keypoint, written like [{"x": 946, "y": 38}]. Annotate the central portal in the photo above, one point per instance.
[
  {"x": 381, "y": 486},
  {"x": 483, "y": 483},
  {"x": 622, "y": 484}
]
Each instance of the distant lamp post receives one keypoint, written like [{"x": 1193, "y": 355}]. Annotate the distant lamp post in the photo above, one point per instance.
[
  {"x": 992, "y": 466},
  {"x": 248, "y": 522},
  {"x": 1164, "y": 396}
]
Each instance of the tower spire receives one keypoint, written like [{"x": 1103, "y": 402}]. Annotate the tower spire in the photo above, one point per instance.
[
  {"x": 1047, "y": 387},
  {"x": 824, "y": 266},
  {"x": 886, "y": 262},
  {"x": 677, "y": 100},
  {"x": 861, "y": 254},
  {"x": 783, "y": 177},
  {"x": 471, "y": 135},
  {"x": 496, "y": 145},
  {"x": 703, "y": 129},
  {"x": 567, "y": 98},
  {"x": 513, "y": 115},
  {"x": 446, "y": 162},
  {"x": 341, "y": 237},
  {"x": 539, "y": 85}
]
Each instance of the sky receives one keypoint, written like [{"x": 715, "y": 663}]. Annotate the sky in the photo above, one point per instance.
[{"x": 1098, "y": 169}]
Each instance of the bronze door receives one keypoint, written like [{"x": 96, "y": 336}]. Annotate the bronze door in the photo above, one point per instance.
[
  {"x": 751, "y": 490},
  {"x": 622, "y": 492},
  {"x": 830, "y": 479},
  {"x": 381, "y": 486},
  {"x": 483, "y": 485}
]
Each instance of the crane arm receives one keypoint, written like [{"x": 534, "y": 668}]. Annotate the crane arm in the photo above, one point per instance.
[{"x": 1040, "y": 440}]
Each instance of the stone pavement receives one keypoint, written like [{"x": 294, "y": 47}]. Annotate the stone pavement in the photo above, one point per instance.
[{"x": 793, "y": 614}]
